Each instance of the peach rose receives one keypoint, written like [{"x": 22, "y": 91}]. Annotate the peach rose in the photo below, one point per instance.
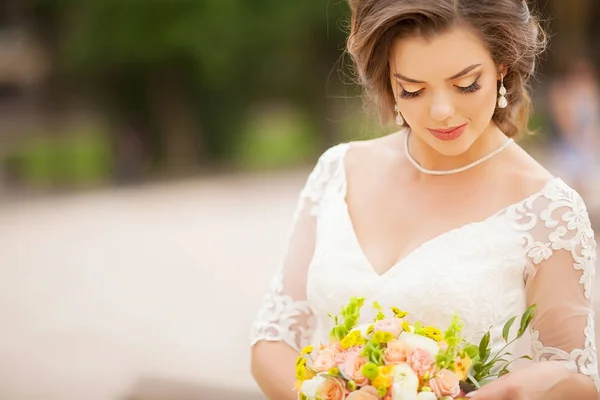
[
  {"x": 331, "y": 389},
  {"x": 326, "y": 359},
  {"x": 352, "y": 368},
  {"x": 420, "y": 361},
  {"x": 395, "y": 353},
  {"x": 445, "y": 383},
  {"x": 365, "y": 393},
  {"x": 391, "y": 325}
]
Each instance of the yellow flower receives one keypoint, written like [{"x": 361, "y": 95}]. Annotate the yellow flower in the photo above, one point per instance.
[
  {"x": 334, "y": 371},
  {"x": 352, "y": 339},
  {"x": 307, "y": 350},
  {"x": 382, "y": 337},
  {"x": 383, "y": 379},
  {"x": 462, "y": 367},
  {"x": 406, "y": 326},
  {"x": 370, "y": 329},
  {"x": 433, "y": 333},
  {"x": 300, "y": 372},
  {"x": 399, "y": 313}
]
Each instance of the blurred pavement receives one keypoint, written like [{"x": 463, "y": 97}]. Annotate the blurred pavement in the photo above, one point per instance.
[{"x": 140, "y": 293}]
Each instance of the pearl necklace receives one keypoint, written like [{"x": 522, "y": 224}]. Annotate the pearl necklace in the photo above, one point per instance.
[{"x": 452, "y": 171}]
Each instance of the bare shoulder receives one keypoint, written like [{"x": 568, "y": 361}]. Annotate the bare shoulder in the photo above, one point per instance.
[
  {"x": 524, "y": 175},
  {"x": 372, "y": 154}
]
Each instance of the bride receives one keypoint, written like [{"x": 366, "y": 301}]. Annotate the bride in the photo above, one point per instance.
[{"x": 446, "y": 216}]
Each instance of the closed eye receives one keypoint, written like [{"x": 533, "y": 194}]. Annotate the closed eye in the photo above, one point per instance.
[
  {"x": 472, "y": 88},
  {"x": 410, "y": 95}
]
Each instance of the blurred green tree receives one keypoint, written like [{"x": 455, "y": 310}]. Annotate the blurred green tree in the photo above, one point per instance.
[{"x": 184, "y": 72}]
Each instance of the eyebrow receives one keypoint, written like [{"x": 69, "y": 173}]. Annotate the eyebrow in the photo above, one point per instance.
[{"x": 458, "y": 75}]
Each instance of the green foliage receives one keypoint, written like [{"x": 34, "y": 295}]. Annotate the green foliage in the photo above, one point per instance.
[
  {"x": 484, "y": 362},
  {"x": 454, "y": 339},
  {"x": 350, "y": 315}
]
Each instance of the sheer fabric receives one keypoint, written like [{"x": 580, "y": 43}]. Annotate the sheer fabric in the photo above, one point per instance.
[{"x": 540, "y": 251}]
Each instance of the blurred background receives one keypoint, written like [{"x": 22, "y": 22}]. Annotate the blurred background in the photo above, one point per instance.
[{"x": 151, "y": 152}]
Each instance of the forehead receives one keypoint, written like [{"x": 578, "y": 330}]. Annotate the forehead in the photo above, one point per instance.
[{"x": 439, "y": 56}]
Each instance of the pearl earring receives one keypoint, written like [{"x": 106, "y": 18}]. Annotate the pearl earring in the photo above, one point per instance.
[
  {"x": 399, "y": 119},
  {"x": 502, "y": 102}
]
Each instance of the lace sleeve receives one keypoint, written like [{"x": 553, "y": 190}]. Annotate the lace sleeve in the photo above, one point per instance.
[
  {"x": 285, "y": 314},
  {"x": 561, "y": 255}
]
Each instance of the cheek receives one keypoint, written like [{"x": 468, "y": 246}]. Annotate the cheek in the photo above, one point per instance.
[{"x": 479, "y": 105}]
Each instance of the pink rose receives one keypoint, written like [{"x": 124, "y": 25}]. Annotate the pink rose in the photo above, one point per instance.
[
  {"x": 342, "y": 356},
  {"x": 331, "y": 389},
  {"x": 325, "y": 359},
  {"x": 365, "y": 393},
  {"x": 391, "y": 325},
  {"x": 395, "y": 353},
  {"x": 445, "y": 383},
  {"x": 352, "y": 368},
  {"x": 421, "y": 361}
]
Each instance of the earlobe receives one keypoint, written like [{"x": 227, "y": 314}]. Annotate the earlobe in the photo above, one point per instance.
[{"x": 502, "y": 70}]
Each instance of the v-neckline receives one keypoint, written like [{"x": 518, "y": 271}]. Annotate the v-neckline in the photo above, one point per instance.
[{"x": 427, "y": 242}]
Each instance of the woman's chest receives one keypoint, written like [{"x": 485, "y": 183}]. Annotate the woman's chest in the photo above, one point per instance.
[{"x": 474, "y": 271}]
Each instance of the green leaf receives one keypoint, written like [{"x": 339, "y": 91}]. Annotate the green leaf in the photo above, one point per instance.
[
  {"x": 506, "y": 329},
  {"x": 472, "y": 351},
  {"x": 349, "y": 323},
  {"x": 526, "y": 319},
  {"x": 352, "y": 309},
  {"x": 377, "y": 306},
  {"x": 477, "y": 367},
  {"x": 483, "y": 346}
]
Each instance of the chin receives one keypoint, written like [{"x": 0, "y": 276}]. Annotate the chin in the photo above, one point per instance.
[{"x": 451, "y": 148}]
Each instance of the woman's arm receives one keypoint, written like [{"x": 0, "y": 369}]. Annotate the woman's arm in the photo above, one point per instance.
[
  {"x": 561, "y": 254},
  {"x": 284, "y": 324},
  {"x": 273, "y": 369}
]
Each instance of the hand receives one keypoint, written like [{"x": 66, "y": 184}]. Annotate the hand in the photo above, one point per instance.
[{"x": 534, "y": 382}]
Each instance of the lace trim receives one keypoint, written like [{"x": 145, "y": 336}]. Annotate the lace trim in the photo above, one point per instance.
[
  {"x": 584, "y": 361},
  {"x": 568, "y": 228},
  {"x": 279, "y": 316},
  {"x": 328, "y": 167}
]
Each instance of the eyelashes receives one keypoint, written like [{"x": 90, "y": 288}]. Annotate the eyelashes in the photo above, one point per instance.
[
  {"x": 410, "y": 95},
  {"x": 472, "y": 88}
]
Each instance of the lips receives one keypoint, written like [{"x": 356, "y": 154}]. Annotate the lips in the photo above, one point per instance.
[{"x": 448, "y": 133}]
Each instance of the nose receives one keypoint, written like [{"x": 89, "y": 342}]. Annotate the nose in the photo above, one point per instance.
[{"x": 441, "y": 108}]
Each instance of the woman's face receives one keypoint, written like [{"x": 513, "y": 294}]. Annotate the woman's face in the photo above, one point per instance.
[{"x": 445, "y": 88}]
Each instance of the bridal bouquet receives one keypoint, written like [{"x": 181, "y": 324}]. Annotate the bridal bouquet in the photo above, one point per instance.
[{"x": 391, "y": 359}]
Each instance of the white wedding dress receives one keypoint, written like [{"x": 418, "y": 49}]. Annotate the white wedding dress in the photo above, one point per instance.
[{"x": 538, "y": 251}]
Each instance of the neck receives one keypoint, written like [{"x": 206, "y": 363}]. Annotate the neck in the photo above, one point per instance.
[{"x": 428, "y": 158}]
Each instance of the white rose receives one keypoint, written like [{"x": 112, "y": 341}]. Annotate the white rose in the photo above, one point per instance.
[
  {"x": 414, "y": 341},
  {"x": 309, "y": 387},
  {"x": 405, "y": 383},
  {"x": 426, "y": 396}
]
